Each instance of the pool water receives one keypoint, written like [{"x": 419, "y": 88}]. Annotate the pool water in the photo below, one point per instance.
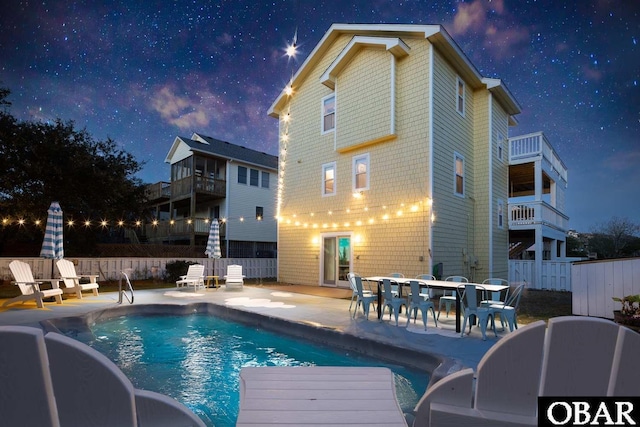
[{"x": 196, "y": 359}]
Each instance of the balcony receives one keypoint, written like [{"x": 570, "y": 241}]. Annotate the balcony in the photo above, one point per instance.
[
  {"x": 158, "y": 191},
  {"x": 533, "y": 146},
  {"x": 202, "y": 185},
  {"x": 525, "y": 215},
  {"x": 180, "y": 229}
]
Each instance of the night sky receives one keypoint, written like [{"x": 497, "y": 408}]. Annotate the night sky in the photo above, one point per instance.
[{"x": 143, "y": 74}]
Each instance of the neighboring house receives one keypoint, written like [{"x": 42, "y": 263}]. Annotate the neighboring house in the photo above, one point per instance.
[
  {"x": 213, "y": 179},
  {"x": 393, "y": 158},
  {"x": 538, "y": 225}
]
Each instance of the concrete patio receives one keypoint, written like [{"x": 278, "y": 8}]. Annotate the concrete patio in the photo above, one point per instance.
[{"x": 285, "y": 306}]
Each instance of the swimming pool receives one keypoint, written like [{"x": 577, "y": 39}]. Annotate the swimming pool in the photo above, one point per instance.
[{"x": 196, "y": 358}]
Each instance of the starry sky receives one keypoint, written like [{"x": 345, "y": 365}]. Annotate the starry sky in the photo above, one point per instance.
[{"x": 145, "y": 72}]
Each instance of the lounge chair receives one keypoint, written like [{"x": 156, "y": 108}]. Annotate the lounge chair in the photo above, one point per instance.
[
  {"x": 234, "y": 277},
  {"x": 194, "y": 277},
  {"x": 72, "y": 281},
  {"x": 30, "y": 288},
  {"x": 54, "y": 380}
]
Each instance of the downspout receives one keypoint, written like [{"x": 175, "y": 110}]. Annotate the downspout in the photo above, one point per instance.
[{"x": 490, "y": 185}]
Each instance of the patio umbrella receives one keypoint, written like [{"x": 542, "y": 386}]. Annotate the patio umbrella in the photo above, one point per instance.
[
  {"x": 213, "y": 243},
  {"x": 52, "y": 245}
]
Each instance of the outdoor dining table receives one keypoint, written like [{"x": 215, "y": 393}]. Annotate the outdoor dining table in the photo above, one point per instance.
[{"x": 433, "y": 284}]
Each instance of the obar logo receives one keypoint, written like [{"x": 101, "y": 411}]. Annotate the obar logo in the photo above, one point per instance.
[{"x": 588, "y": 411}]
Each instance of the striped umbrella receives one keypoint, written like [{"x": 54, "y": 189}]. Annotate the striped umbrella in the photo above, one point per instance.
[
  {"x": 213, "y": 243},
  {"x": 52, "y": 245}
]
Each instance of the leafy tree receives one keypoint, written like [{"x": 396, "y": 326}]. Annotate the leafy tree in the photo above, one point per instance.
[
  {"x": 42, "y": 162},
  {"x": 616, "y": 238}
]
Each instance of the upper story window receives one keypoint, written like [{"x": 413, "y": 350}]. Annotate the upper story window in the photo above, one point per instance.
[
  {"x": 329, "y": 179},
  {"x": 265, "y": 179},
  {"x": 500, "y": 213},
  {"x": 500, "y": 147},
  {"x": 254, "y": 177},
  {"x": 328, "y": 113},
  {"x": 361, "y": 172},
  {"x": 242, "y": 175},
  {"x": 458, "y": 174},
  {"x": 460, "y": 95}
]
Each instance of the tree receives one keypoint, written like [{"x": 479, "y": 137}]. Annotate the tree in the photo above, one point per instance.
[
  {"x": 43, "y": 162},
  {"x": 615, "y": 239}
]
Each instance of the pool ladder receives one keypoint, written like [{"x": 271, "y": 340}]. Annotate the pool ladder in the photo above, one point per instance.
[{"x": 122, "y": 292}]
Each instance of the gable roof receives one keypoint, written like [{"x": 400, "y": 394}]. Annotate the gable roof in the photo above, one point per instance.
[
  {"x": 203, "y": 144},
  {"x": 436, "y": 34}
]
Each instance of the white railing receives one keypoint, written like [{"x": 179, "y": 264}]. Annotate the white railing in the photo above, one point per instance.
[
  {"x": 536, "y": 145},
  {"x": 143, "y": 268},
  {"x": 595, "y": 283},
  {"x": 555, "y": 275},
  {"x": 529, "y": 213}
]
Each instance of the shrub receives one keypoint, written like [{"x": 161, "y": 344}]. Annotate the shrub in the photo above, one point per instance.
[{"x": 175, "y": 269}]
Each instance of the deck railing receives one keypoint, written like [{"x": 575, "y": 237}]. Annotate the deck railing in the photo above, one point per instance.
[
  {"x": 535, "y": 145},
  {"x": 530, "y": 213}
]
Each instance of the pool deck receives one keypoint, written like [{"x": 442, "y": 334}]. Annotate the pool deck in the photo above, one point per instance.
[{"x": 287, "y": 307}]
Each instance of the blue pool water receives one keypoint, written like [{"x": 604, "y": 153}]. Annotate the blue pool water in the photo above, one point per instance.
[{"x": 197, "y": 358}]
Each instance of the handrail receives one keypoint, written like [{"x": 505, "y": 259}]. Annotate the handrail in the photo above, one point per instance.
[{"x": 121, "y": 292}]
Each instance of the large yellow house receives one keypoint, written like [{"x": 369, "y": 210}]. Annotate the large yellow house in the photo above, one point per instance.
[{"x": 393, "y": 158}]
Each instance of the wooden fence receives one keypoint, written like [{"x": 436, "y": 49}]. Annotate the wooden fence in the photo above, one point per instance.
[
  {"x": 144, "y": 268},
  {"x": 594, "y": 283}
]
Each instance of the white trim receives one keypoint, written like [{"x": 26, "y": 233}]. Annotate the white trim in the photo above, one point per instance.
[
  {"x": 430, "y": 133},
  {"x": 354, "y": 161},
  {"x": 490, "y": 146},
  {"x": 325, "y": 167},
  {"x": 392, "y": 131}
]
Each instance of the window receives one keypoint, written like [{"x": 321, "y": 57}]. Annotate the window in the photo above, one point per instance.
[
  {"x": 242, "y": 175},
  {"x": 253, "y": 178},
  {"x": 328, "y": 113},
  {"x": 458, "y": 166},
  {"x": 460, "y": 96},
  {"x": 500, "y": 213},
  {"x": 329, "y": 179},
  {"x": 361, "y": 172},
  {"x": 259, "y": 213},
  {"x": 265, "y": 179},
  {"x": 500, "y": 147}
]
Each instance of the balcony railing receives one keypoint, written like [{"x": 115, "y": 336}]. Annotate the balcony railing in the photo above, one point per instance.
[
  {"x": 531, "y": 213},
  {"x": 212, "y": 186},
  {"x": 159, "y": 190},
  {"x": 535, "y": 145},
  {"x": 180, "y": 228}
]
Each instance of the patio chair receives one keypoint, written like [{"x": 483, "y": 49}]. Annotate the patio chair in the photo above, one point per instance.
[
  {"x": 469, "y": 300},
  {"x": 418, "y": 302},
  {"x": 352, "y": 285},
  {"x": 72, "y": 281},
  {"x": 194, "y": 277},
  {"x": 234, "y": 277},
  {"x": 30, "y": 288},
  {"x": 390, "y": 300},
  {"x": 363, "y": 299},
  {"x": 428, "y": 294},
  {"x": 496, "y": 297},
  {"x": 508, "y": 309},
  {"x": 449, "y": 297},
  {"x": 394, "y": 285}
]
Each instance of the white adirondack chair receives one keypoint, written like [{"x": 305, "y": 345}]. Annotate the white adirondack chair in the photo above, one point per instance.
[
  {"x": 29, "y": 287},
  {"x": 194, "y": 277},
  {"x": 234, "y": 277},
  {"x": 72, "y": 281}
]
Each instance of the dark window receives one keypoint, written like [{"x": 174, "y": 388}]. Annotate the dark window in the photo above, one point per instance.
[
  {"x": 259, "y": 212},
  {"x": 253, "y": 178},
  {"x": 242, "y": 175},
  {"x": 265, "y": 179}
]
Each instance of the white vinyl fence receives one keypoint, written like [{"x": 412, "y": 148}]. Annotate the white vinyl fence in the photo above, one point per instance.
[
  {"x": 555, "y": 275},
  {"x": 594, "y": 283},
  {"x": 144, "y": 268}
]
